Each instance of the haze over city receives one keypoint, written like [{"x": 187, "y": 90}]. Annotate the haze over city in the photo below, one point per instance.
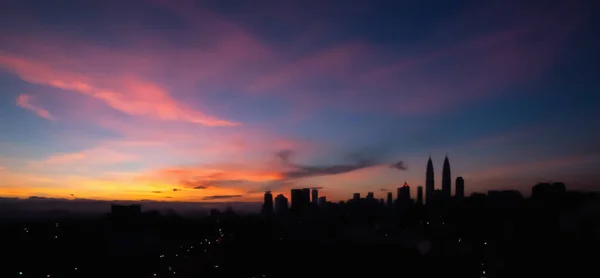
[{"x": 205, "y": 102}]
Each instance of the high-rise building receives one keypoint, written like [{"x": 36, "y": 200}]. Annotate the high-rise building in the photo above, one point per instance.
[
  {"x": 281, "y": 204},
  {"x": 322, "y": 201},
  {"x": 390, "y": 200},
  {"x": 446, "y": 180},
  {"x": 370, "y": 196},
  {"x": 381, "y": 201},
  {"x": 296, "y": 199},
  {"x": 268, "y": 203},
  {"x": 460, "y": 187},
  {"x": 315, "y": 196},
  {"x": 356, "y": 197},
  {"x": 306, "y": 196},
  {"x": 420, "y": 195},
  {"x": 437, "y": 196},
  {"x": 404, "y": 194},
  {"x": 429, "y": 182}
]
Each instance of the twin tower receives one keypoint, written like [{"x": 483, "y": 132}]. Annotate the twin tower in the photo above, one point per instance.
[{"x": 446, "y": 192}]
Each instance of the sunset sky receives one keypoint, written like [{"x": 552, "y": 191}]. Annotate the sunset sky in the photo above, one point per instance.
[{"x": 202, "y": 101}]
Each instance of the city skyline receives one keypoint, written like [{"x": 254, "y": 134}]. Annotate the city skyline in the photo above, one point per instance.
[{"x": 150, "y": 101}]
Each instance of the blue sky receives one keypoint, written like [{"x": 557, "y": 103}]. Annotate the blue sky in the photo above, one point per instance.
[{"x": 115, "y": 100}]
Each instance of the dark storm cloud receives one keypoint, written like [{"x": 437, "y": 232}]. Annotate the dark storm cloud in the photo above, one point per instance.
[{"x": 217, "y": 197}]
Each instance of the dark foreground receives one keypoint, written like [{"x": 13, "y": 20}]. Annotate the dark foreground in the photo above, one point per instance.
[{"x": 474, "y": 238}]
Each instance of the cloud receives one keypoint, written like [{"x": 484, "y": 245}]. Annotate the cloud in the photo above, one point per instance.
[
  {"x": 399, "y": 165},
  {"x": 130, "y": 95},
  {"x": 217, "y": 197},
  {"x": 383, "y": 190},
  {"x": 94, "y": 156},
  {"x": 26, "y": 101},
  {"x": 157, "y": 192},
  {"x": 303, "y": 171},
  {"x": 317, "y": 187},
  {"x": 176, "y": 189},
  {"x": 201, "y": 183}
]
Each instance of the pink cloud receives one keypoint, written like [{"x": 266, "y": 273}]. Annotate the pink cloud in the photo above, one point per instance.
[
  {"x": 26, "y": 101},
  {"x": 129, "y": 95}
]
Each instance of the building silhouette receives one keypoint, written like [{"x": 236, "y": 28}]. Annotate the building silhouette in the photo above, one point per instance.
[
  {"x": 446, "y": 179},
  {"x": 322, "y": 201},
  {"x": 437, "y": 196},
  {"x": 370, "y": 196},
  {"x": 404, "y": 194},
  {"x": 268, "y": 203},
  {"x": 429, "y": 182},
  {"x": 281, "y": 204},
  {"x": 460, "y": 188},
  {"x": 390, "y": 200},
  {"x": 306, "y": 196},
  {"x": 548, "y": 191},
  {"x": 356, "y": 197},
  {"x": 420, "y": 195},
  {"x": 297, "y": 199},
  {"x": 315, "y": 196}
]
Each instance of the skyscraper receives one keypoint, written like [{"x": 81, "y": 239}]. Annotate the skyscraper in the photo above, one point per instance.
[
  {"x": 370, "y": 196},
  {"x": 268, "y": 204},
  {"x": 390, "y": 201},
  {"x": 460, "y": 187},
  {"x": 296, "y": 199},
  {"x": 306, "y": 196},
  {"x": 356, "y": 197},
  {"x": 281, "y": 204},
  {"x": 404, "y": 194},
  {"x": 429, "y": 182},
  {"x": 315, "y": 196},
  {"x": 420, "y": 195},
  {"x": 446, "y": 180}
]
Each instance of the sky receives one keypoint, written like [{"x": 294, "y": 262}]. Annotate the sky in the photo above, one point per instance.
[{"x": 206, "y": 101}]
